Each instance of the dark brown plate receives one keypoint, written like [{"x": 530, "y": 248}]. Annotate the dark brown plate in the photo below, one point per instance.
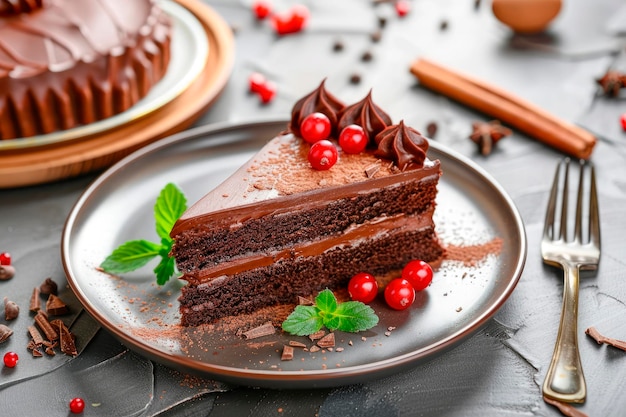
[{"x": 472, "y": 209}]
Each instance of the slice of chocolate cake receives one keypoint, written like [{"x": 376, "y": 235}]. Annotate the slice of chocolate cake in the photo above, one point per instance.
[{"x": 278, "y": 229}]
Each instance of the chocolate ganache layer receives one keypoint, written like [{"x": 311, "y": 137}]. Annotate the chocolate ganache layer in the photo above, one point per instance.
[{"x": 64, "y": 63}]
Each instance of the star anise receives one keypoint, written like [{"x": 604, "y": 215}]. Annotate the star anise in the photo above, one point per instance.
[
  {"x": 611, "y": 82},
  {"x": 487, "y": 134}
]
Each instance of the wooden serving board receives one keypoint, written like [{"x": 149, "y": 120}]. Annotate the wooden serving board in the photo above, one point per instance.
[{"x": 53, "y": 162}]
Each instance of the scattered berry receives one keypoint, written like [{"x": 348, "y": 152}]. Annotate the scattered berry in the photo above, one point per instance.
[
  {"x": 294, "y": 20},
  {"x": 256, "y": 82},
  {"x": 77, "y": 405},
  {"x": 11, "y": 359},
  {"x": 418, "y": 273},
  {"x": 323, "y": 155},
  {"x": 623, "y": 120},
  {"x": 267, "y": 92},
  {"x": 262, "y": 8},
  {"x": 5, "y": 258},
  {"x": 315, "y": 127},
  {"x": 402, "y": 7},
  {"x": 363, "y": 287},
  {"x": 399, "y": 294},
  {"x": 353, "y": 139}
]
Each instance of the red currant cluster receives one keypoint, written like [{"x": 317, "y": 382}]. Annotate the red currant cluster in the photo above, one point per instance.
[
  {"x": 399, "y": 293},
  {"x": 264, "y": 88},
  {"x": 292, "y": 21},
  {"x": 316, "y": 128}
]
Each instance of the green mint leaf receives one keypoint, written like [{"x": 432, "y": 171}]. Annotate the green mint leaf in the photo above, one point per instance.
[
  {"x": 170, "y": 205},
  {"x": 164, "y": 270},
  {"x": 352, "y": 316},
  {"x": 326, "y": 301},
  {"x": 130, "y": 256},
  {"x": 303, "y": 321},
  {"x": 349, "y": 316}
]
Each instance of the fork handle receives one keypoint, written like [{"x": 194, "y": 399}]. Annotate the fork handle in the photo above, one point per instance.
[{"x": 565, "y": 380}]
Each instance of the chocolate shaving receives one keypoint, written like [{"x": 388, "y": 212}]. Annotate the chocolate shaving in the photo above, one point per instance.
[
  {"x": 67, "y": 343},
  {"x": 317, "y": 335},
  {"x": 327, "y": 341},
  {"x": 48, "y": 287},
  {"x": 287, "y": 353},
  {"x": 35, "y": 302},
  {"x": 265, "y": 329},
  {"x": 55, "y": 306},
  {"x": 565, "y": 409},
  {"x": 296, "y": 344},
  {"x": 34, "y": 333},
  {"x": 314, "y": 349},
  {"x": 303, "y": 301},
  {"x": 37, "y": 353},
  {"x": 595, "y": 334},
  {"x": 5, "y": 332},
  {"x": 372, "y": 169},
  {"x": 11, "y": 309},
  {"x": 42, "y": 321}
]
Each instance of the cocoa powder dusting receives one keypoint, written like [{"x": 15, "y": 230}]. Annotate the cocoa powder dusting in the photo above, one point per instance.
[{"x": 472, "y": 255}]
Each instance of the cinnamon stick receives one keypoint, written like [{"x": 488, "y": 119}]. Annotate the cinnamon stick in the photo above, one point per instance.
[{"x": 506, "y": 107}]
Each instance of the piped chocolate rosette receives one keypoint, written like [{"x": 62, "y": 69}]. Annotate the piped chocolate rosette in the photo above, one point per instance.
[
  {"x": 366, "y": 114},
  {"x": 403, "y": 145},
  {"x": 359, "y": 127},
  {"x": 317, "y": 101}
]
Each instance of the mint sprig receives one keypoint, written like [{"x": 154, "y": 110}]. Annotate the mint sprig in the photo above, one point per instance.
[
  {"x": 170, "y": 205},
  {"x": 349, "y": 316}
]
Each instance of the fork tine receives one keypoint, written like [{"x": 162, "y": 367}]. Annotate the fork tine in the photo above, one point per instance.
[
  {"x": 548, "y": 227},
  {"x": 564, "y": 203},
  {"x": 594, "y": 214},
  {"x": 578, "y": 228}
]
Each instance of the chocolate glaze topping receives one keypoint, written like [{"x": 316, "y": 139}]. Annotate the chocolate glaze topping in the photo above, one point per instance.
[
  {"x": 402, "y": 144},
  {"x": 367, "y": 115},
  {"x": 318, "y": 100}
]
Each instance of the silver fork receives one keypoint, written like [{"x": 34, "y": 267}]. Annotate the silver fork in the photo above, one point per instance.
[{"x": 565, "y": 380}]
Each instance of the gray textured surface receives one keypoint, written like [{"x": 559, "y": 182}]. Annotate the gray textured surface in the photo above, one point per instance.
[{"x": 498, "y": 371}]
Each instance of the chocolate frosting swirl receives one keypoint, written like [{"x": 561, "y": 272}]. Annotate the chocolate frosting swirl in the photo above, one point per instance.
[
  {"x": 318, "y": 100},
  {"x": 366, "y": 114},
  {"x": 402, "y": 144}
]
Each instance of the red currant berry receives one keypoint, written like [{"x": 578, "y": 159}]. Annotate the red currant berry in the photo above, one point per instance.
[
  {"x": 267, "y": 92},
  {"x": 623, "y": 120},
  {"x": 11, "y": 359},
  {"x": 261, "y": 8},
  {"x": 5, "y": 258},
  {"x": 256, "y": 81},
  {"x": 363, "y": 287},
  {"x": 299, "y": 16},
  {"x": 402, "y": 7},
  {"x": 291, "y": 22},
  {"x": 323, "y": 155},
  {"x": 399, "y": 294},
  {"x": 315, "y": 127},
  {"x": 353, "y": 139},
  {"x": 77, "y": 405},
  {"x": 418, "y": 273}
]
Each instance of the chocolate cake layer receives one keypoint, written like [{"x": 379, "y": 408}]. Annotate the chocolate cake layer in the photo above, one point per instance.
[
  {"x": 308, "y": 216},
  {"x": 281, "y": 282}
]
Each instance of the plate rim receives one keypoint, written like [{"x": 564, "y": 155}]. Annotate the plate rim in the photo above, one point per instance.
[{"x": 284, "y": 378}]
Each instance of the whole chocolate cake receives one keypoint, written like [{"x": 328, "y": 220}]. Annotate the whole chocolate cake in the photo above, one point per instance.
[
  {"x": 278, "y": 229},
  {"x": 65, "y": 63}
]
